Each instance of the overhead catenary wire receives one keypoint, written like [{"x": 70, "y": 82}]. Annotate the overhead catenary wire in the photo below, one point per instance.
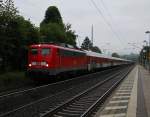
[
  {"x": 106, "y": 21},
  {"x": 99, "y": 11},
  {"x": 105, "y": 7},
  {"x": 110, "y": 16}
]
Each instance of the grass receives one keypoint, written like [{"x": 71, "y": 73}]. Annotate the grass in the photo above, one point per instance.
[{"x": 13, "y": 80}]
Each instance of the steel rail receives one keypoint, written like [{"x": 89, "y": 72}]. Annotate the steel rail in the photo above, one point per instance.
[
  {"x": 102, "y": 98},
  {"x": 67, "y": 103}
]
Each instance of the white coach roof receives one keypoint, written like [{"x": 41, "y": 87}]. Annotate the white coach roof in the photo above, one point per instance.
[{"x": 94, "y": 54}]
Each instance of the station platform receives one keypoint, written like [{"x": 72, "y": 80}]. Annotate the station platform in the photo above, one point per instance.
[{"x": 131, "y": 98}]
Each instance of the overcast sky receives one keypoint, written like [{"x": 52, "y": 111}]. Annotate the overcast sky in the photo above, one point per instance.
[{"x": 129, "y": 19}]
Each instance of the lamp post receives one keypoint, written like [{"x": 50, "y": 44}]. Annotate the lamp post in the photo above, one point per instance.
[
  {"x": 144, "y": 58},
  {"x": 148, "y": 49},
  {"x": 148, "y": 32}
]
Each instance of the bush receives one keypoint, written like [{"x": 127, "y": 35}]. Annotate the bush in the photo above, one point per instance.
[{"x": 13, "y": 80}]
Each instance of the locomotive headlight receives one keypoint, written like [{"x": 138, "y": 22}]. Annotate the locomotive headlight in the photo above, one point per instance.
[
  {"x": 30, "y": 65},
  {"x": 47, "y": 65}
]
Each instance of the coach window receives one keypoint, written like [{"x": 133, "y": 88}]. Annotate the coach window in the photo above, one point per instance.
[
  {"x": 45, "y": 51},
  {"x": 34, "y": 51}
]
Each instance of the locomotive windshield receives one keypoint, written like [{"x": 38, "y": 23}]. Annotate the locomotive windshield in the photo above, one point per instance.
[
  {"x": 45, "y": 51},
  {"x": 34, "y": 51}
]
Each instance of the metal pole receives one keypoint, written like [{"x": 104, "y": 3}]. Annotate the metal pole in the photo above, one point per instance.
[
  {"x": 149, "y": 38},
  {"x": 92, "y": 35},
  {"x": 148, "y": 51},
  {"x": 148, "y": 32}
]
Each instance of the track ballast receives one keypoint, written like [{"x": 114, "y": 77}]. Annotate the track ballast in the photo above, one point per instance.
[{"x": 66, "y": 93}]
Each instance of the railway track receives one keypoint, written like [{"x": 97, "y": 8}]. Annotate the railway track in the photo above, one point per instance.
[
  {"x": 82, "y": 104},
  {"x": 36, "y": 101},
  {"x": 16, "y": 90}
]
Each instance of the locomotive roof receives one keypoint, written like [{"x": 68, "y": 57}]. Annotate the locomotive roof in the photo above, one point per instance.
[{"x": 56, "y": 46}]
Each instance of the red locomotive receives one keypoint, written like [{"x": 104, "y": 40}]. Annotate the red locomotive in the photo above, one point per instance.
[{"x": 51, "y": 59}]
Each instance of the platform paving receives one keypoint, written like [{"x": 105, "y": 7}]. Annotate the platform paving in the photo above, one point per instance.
[
  {"x": 131, "y": 98},
  {"x": 143, "y": 102}
]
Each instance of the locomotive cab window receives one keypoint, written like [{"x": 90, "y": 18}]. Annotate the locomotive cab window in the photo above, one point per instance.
[
  {"x": 45, "y": 51},
  {"x": 34, "y": 51}
]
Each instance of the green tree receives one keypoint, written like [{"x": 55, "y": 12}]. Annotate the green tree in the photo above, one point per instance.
[
  {"x": 52, "y": 15},
  {"x": 52, "y": 28},
  {"x": 70, "y": 34},
  {"x": 27, "y": 34},
  {"x": 96, "y": 49},
  {"x": 16, "y": 34},
  {"x": 8, "y": 13},
  {"x": 53, "y": 32},
  {"x": 115, "y": 55},
  {"x": 87, "y": 44}
]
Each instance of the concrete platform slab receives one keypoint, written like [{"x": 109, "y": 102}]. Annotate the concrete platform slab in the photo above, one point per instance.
[
  {"x": 143, "y": 100},
  {"x": 119, "y": 102},
  {"x": 131, "y": 98}
]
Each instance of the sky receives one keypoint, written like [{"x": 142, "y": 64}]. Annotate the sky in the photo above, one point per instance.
[{"x": 119, "y": 25}]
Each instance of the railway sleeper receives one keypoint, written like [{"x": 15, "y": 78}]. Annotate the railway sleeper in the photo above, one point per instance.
[
  {"x": 64, "y": 114},
  {"x": 77, "y": 108},
  {"x": 72, "y": 111},
  {"x": 79, "y": 104}
]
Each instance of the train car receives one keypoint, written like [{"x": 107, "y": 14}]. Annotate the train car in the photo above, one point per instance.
[
  {"x": 96, "y": 60},
  {"x": 51, "y": 60}
]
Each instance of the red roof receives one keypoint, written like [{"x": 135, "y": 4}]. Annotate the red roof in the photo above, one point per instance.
[{"x": 55, "y": 46}]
